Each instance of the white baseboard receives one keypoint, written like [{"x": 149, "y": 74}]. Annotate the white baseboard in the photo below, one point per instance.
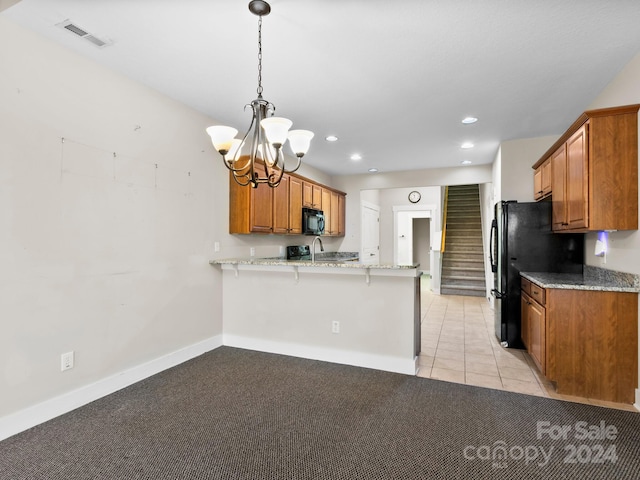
[
  {"x": 346, "y": 357},
  {"x": 32, "y": 416},
  {"x": 637, "y": 404}
]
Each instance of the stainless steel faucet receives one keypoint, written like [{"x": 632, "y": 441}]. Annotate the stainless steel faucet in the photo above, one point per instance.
[{"x": 313, "y": 248}]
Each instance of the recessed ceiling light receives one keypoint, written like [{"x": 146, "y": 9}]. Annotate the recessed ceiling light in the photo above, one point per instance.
[
  {"x": 356, "y": 156},
  {"x": 373, "y": 170},
  {"x": 466, "y": 162},
  {"x": 469, "y": 120},
  {"x": 466, "y": 145},
  {"x": 331, "y": 138}
]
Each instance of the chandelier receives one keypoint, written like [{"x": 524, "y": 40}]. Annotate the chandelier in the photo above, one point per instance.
[{"x": 258, "y": 157}]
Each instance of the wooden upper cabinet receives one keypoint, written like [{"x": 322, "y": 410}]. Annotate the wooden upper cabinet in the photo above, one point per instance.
[
  {"x": 261, "y": 209},
  {"x": 326, "y": 209},
  {"x": 317, "y": 197},
  {"x": 577, "y": 197},
  {"x": 594, "y": 172},
  {"x": 570, "y": 198},
  {"x": 311, "y": 195},
  {"x": 279, "y": 210},
  {"x": 341, "y": 216},
  {"x": 295, "y": 205},
  {"x": 559, "y": 188},
  {"x": 281, "y": 206},
  {"x": 542, "y": 181},
  {"x": 307, "y": 194}
]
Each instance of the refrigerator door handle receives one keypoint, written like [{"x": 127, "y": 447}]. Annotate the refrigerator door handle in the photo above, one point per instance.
[
  {"x": 498, "y": 294},
  {"x": 493, "y": 246}
]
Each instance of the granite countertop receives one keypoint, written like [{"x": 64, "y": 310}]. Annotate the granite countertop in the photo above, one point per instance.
[
  {"x": 320, "y": 262},
  {"x": 592, "y": 278}
]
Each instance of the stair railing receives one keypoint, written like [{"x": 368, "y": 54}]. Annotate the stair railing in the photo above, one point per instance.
[{"x": 444, "y": 218}]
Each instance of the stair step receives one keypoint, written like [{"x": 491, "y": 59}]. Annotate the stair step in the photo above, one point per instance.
[
  {"x": 462, "y": 261},
  {"x": 462, "y": 269},
  {"x": 462, "y": 292}
]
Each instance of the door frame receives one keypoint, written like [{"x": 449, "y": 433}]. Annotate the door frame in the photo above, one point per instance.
[{"x": 420, "y": 211}]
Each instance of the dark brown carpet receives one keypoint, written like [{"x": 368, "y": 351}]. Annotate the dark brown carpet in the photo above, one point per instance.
[{"x": 238, "y": 414}]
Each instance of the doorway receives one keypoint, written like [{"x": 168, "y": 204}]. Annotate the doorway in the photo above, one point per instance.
[{"x": 406, "y": 223}]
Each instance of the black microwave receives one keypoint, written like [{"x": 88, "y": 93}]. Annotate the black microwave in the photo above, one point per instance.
[{"x": 312, "y": 221}]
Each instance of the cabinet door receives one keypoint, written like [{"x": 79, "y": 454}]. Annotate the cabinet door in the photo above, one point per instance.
[
  {"x": 558, "y": 182},
  {"x": 326, "y": 208},
  {"x": 341, "y": 215},
  {"x": 524, "y": 323},
  {"x": 577, "y": 179},
  {"x": 537, "y": 334},
  {"x": 295, "y": 205},
  {"x": 537, "y": 183},
  {"x": 261, "y": 208},
  {"x": 546, "y": 178},
  {"x": 307, "y": 194},
  {"x": 281, "y": 206},
  {"x": 335, "y": 216},
  {"x": 317, "y": 197}
]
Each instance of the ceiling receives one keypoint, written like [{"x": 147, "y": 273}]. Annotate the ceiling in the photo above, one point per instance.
[{"x": 392, "y": 80}]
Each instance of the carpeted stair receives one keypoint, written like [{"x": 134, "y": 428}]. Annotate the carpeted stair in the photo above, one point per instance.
[{"x": 463, "y": 259}]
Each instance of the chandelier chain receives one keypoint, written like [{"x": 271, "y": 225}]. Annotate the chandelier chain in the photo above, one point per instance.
[{"x": 260, "y": 56}]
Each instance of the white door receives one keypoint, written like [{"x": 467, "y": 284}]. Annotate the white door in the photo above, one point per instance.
[
  {"x": 404, "y": 241},
  {"x": 370, "y": 248}
]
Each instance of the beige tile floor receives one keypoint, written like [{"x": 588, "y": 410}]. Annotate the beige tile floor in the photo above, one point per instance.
[{"x": 459, "y": 345}]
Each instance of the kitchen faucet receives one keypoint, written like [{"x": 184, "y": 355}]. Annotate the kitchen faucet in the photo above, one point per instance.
[{"x": 313, "y": 248}]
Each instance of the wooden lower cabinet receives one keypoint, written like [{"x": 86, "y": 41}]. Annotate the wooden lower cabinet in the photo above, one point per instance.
[
  {"x": 534, "y": 327},
  {"x": 584, "y": 341}
]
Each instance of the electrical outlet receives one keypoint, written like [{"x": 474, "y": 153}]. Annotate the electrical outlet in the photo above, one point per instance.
[
  {"x": 335, "y": 326},
  {"x": 66, "y": 361},
  {"x": 216, "y": 246},
  {"x": 252, "y": 252}
]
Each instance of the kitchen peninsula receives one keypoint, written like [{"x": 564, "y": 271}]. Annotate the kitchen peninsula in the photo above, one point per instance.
[{"x": 346, "y": 312}]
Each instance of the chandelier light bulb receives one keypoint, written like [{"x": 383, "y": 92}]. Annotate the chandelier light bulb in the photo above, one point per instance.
[{"x": 299, "y": 141}]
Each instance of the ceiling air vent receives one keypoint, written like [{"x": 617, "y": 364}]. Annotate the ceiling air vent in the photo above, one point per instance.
[{"x": 82, "y": 33}]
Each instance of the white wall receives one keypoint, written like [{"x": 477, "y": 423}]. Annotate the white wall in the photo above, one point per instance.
[
  {"x": 516, "y": 159},
  {"x": 353, "y": 184},
  {"x": 106, "y": 255}
]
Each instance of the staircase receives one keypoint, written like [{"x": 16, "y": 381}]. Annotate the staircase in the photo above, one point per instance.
[{"x": 463, "y": 257}]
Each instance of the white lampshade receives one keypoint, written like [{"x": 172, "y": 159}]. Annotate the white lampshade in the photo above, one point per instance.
[
  {"x": 276, "y": 128},
  {"x": 222, "y": 137},
  {"x": 299, "y": 141}
]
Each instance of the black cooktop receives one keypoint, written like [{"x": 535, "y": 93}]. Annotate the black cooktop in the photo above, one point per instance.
[{"x": 298, "y": 252}]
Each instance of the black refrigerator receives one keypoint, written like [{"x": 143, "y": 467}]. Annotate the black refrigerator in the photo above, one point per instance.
[{"x": 522, "y": 241}]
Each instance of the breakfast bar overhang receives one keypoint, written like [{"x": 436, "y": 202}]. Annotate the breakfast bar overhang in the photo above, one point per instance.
[{"x": 366, "y": 315}]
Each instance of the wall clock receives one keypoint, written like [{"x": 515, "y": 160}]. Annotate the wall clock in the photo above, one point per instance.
[{"x": 414, "y": 197}]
